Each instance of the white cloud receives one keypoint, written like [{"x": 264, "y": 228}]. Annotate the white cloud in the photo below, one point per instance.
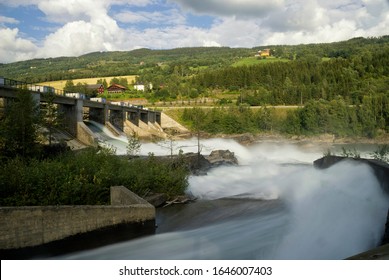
[
  {"x": 296, "y": 15},
  {"x": 139, "y": 3},
  {"x": 4, "y": 19},
  {"x": 237, "y": 8},
  {"x": 91, "y": 25},
  {"x": 72, "y": 10},
  {"x": 14, "y": 48},
  {"x": 80, "y": 37},
  {"x": 16, "y": 3},
  {"x": 169, "y": 17}
]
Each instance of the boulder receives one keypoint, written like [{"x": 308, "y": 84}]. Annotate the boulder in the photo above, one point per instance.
[
  {"x": 197, "y": 163},
  {"x": 156, "y": 199},
  {"x": 222, "y": 157},
  {"x": 244, "y": 139}
]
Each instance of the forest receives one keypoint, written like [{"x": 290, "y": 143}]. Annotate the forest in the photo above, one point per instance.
[{"x": 335, "y": 117}]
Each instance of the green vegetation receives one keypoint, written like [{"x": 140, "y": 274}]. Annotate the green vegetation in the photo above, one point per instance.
[
  {"x": 230, "y": 120},
  {"x": 85, "y": 178},
  {"x": 250, "y": 61},
  {"x": 343, "y": 86},
  {"x": 19, "y": 127},
  {"x": 104, "y": 64},
  {"x": 317, "y": 117},
  {"x": 293, "y": 75},
  {"x": 133, "y": 146}
]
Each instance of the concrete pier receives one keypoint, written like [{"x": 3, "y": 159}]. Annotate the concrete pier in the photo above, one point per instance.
[{"x": 72, "y": 111}]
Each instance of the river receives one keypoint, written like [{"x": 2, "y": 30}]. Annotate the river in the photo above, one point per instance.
[{"x": 274, "y": 205}]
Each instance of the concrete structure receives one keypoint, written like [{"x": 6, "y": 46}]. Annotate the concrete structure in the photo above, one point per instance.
[
  {"x": 37, "y": 226},
  {"x": 73, "y": 112}
]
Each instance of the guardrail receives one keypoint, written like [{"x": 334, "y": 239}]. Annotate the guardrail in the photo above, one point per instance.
[{"x": 9, "y": 83}]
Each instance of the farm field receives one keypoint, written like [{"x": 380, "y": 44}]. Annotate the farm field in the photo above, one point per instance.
[
  {"x": 90, "y": 81},
  {"x": 249, "y": 61}
]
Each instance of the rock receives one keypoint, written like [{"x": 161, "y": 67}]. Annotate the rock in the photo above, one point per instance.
[
  {"x": 156, "y": 199},
  {"x": 196, "y": 163},
  {"x": 327, "y": 161},
  {"x": 244, "y": 139},
  {"x": 199, "y": 164},
  {"x": 222, "y": 157}
]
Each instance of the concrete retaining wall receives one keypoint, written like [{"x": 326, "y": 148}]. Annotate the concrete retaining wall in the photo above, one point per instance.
[
  {"x": 85, "y": 135},
  {"x": 22, "y": 227}
]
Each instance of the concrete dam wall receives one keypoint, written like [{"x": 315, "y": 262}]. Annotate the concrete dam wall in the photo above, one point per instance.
[{"x": 23, "y": 228}]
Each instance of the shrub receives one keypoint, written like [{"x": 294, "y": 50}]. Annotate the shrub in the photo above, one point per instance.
[{"x": 85, "y": 178}]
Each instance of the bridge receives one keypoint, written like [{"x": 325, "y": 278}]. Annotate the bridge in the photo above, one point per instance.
[{"x": 74, "y": 108}]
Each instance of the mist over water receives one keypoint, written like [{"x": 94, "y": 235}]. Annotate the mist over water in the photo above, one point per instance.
[{"x": 274, "y": 205}]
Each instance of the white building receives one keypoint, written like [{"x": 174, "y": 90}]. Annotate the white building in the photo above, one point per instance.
[{"x": 142, "y": 87}]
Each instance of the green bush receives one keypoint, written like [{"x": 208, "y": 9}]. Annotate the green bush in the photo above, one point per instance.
[{"x": 85, "y": 178}]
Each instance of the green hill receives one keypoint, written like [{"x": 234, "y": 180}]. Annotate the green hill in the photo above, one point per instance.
[{"x": 188, "y": 61}]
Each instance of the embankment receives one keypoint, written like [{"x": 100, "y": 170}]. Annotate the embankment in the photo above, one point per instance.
[{"x": 27, "y": 232}]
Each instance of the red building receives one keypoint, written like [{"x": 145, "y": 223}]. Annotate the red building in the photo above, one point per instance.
[{"x": 97, "y": 88}]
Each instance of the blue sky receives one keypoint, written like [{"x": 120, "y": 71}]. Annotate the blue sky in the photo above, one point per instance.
[{"x": 52, "y": 28}]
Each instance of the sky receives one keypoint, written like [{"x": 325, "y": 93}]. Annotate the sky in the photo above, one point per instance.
[{"x": 52, "y": 28}]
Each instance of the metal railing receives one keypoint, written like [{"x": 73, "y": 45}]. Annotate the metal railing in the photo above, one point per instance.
[{"x": 9, "y": 83}]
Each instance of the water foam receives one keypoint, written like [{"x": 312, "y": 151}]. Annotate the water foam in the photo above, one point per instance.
[
  {"x": 328, "y": 214},
  {"x": 333, "y": 213}
]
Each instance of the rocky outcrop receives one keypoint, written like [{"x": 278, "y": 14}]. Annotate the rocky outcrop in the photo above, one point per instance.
[
  {"x": 222, "y": 157},
  {"x": 199, "y": 164}
]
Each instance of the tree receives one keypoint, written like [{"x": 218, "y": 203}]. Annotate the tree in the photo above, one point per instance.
[
  {"x": 51, "y": 118},
  {"x": 134, "y": 145},
  {"x": 123, "y": 82},
  {"x": 69, "y": 86},
  {"x": 114, "y": 81},
  {"x": 18, "y": 133},
  {"x": 103, "y": 82}
]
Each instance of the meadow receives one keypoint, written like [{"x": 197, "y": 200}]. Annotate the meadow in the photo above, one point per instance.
[
  {"x": 90, "y": 81},
  {"x": 249, "y": 61}
]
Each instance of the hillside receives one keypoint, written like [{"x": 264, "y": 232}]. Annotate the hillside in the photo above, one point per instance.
[
  {"x": 103, "y": 64},
  {"x": 188, "y": 61}
]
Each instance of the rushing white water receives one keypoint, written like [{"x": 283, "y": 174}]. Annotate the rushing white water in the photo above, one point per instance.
[{"x": 282, "y": 208}]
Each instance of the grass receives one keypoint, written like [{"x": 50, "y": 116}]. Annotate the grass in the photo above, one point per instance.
[
  {"x": 249, "y": 61},
  {"x": 90, "y": 81}
]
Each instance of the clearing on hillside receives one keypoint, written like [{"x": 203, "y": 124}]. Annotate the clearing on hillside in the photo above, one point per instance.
[{"x": 90, "y": 81}]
